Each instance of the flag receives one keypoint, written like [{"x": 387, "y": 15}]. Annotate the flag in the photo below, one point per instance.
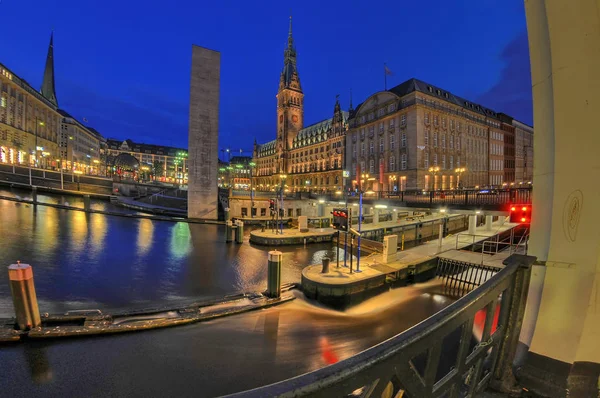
[
  {"x": 387, "y": 70},
  {"x": 358, "y": 175},
  {"x": 381, "y": 171}
]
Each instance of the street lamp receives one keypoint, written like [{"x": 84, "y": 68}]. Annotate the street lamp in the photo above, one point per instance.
[
  {"x": 434, "y": 171},
  {"x": 38, "y": 122},
  {"x": 458, "y": 172},
  {"x": 252, "y": 166}
]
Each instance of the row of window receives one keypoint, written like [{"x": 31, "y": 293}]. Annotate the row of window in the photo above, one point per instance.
[
  {"x": 442, "y": 164},
  {"x": 443, "y": 140}
]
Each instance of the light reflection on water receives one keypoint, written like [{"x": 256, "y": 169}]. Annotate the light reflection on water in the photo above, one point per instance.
[{"x": 97, "y": 261}]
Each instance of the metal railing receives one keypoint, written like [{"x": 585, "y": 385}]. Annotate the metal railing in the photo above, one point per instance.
[{"x": 392, "y": 366}]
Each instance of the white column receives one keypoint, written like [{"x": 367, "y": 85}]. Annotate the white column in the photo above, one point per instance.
[
  {"x": 488, "y": 223},
  {"x": 472, "y": 224},
  {"x": 564, "y": 39},
  {"x": 394, "y": 216},
  {"x": 375, "y": 216}
]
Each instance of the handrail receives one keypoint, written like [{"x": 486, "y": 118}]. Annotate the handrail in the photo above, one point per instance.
[{"x": 388, "y": 365}]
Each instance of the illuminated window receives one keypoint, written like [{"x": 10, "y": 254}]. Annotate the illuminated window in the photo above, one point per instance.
[
  {"x": 426, "y": 137},
  {"x": 3, "y": 102},
  {"x": 403, "y": 162},
  {"x": 426, "y": 160}
]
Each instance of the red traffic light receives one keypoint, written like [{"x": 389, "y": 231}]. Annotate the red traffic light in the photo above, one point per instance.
[{"x": 520, "y": 214}]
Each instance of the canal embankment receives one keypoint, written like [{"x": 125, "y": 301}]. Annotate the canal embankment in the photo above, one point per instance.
[{"x": 345, "y": 286}]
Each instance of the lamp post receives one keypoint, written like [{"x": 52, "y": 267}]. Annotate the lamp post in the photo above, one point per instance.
[
  {"x": 252, "y": 166},
  {"x": 458, "y": 172},
  {"x": 38, "y": 122},
  {"x": 434, "y": 171}
]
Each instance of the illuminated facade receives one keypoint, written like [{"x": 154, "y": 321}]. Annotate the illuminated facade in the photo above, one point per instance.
[
  {"x": 418, "y": 136},
  {"x": 237, "y": 173},
  {"x": 29, "y": 120},
  {"x": 163, "y": 163},
  {"x": 300, "y": 158},
  {"x": 79, "y": 146}
]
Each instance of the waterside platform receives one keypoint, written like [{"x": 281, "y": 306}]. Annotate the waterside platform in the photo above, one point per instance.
[
  {"x": 341, "y": 288},
  {"x": 292, "y": 237},
  {"x": 94, "y": 322}
]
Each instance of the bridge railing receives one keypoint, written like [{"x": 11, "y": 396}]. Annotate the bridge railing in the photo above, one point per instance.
[
  {"x": 459, "y": 197},
  {"x": 437, "y": 357}
]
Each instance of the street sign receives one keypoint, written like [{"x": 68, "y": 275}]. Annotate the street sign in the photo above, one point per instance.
[{"x": 346, "y": 174}]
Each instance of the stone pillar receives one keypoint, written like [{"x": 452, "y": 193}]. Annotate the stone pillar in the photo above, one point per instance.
[
  {"x": 563, "y": 332},
  {"x": 303, "y": 223},
  {"x": 390, "y": 248},
  {"x": 274, "y": 274},
  {"x": 34, "y": 194},
  {"x": 375, "y": 216},
  {"x": 23, "y": 296},
  {"x": 203, "y": 134},
  {"x": 394, "y": 216},
  {"x": 321, "y": 210},
  {"x": 488, "y": 223},
  {"x": 472, "y": 224}
]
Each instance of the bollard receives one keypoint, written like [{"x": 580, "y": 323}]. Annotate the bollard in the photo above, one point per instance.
[
  {"x": 325, "y": 269},
  {"x": 440, "y": 237},
  {"x": 472, "y": 224},
  {"x": 239, "y": 232},
  {"x": 228, "y": 230},
  {"x": 86, "y": 202},
  {"x": 34, "y": 194},
  {"x": 274, "y": 274},
  {"x": 227, "y": 214},
  {"x": 23, "y": 295},
  {"x": 488, "y": 222}
]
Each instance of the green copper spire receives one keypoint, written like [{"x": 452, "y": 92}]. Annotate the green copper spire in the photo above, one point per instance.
[{"x": 48, "y": 89}]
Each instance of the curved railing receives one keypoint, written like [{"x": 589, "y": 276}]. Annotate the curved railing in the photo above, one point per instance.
[{"x": 437, "y": 357}]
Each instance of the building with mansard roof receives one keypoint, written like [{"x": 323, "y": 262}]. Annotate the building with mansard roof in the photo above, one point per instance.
[
  {"x": 419, "y": 136},
  {"x": 301, "y": 158}
]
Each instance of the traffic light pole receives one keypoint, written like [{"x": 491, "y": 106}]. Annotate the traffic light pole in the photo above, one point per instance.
[
  {"x": 360, "y": 212},
  {"x": 349, "y": 222}
]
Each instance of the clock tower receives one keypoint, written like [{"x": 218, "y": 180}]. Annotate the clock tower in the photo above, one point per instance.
[{"x": 290, "y": 104}]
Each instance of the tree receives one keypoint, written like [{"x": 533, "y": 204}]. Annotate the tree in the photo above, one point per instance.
[{"x": 158, "y": 169}]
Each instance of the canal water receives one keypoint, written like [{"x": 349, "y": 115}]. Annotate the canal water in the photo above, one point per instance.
[{"x": 88, "y": 261}]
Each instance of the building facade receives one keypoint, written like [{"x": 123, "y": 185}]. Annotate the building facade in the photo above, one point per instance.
[
  {"x": 523, "y": 153},
  {"x": 162, "y": 163},
  {"x": 29, "y": 120},
  {"x": 300, "y": 158},
  {"x": 417, "y": 136},
  {"x": 79, "y": 146},
  {"x": 236, "y": 174}
]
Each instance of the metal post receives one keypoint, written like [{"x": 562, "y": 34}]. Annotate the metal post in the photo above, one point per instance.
[
  {"x": 351, "y": 251},
  {"x": 338, "y": 249},
  {"x": 23, "y": 295},
  {"x": 228, "y": 229},
  {"x": 62, "y": 180},
  {"x": 345, "y": 248},
  {"x": 440, "y": 237},
  {"x": 30, "y": 183},
  {"x": 360, "y": 213},
  {"x": 402, "y": 248},
  {"x": 274, "y": 274},
  {"x": 34, "y": 195},
  {"x": 239, "y": 233}
]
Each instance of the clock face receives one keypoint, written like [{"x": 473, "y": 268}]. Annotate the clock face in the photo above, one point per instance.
[{"x": 295, "y": 119}]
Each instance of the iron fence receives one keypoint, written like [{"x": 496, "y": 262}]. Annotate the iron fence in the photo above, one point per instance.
[{"x": 437, "y": 357}]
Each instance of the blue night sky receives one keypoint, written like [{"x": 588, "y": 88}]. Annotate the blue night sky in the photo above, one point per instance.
[{"x": 125, "y": 65}]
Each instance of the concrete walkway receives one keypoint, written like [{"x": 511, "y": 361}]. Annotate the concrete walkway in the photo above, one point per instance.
[{"x": 372, "y": 266}]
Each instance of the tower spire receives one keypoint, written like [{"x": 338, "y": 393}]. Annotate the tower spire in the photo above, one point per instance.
[
  {"x": 289, "y": 74},
  {"x": 48, "y": 89},
  {"x": 351, "y": 108}
]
